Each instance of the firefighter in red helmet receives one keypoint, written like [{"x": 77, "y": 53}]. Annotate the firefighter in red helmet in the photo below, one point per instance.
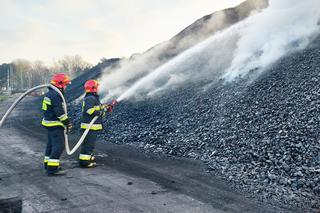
[
  {"x": 55, "y": 120},
  {"x": 91, "y": 107}
]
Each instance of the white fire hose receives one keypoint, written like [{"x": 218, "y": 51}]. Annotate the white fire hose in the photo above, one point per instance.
[{"x": 66, "y": 141}]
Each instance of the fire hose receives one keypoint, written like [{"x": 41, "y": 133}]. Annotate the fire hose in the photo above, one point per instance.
[{"x": 66, "y": 141}]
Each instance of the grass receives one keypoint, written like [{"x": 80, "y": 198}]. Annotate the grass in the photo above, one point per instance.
[{"x": 2, "y": 97}]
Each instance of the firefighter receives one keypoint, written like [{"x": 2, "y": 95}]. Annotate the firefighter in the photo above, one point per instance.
[
  {"x": 91, "y": 107},
  {"x": 55, "y": 120}
]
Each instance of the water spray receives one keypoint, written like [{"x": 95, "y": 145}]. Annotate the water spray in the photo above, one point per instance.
[
  {"x": 69, "y": 152},
  {"x": 180, "y": 60}
]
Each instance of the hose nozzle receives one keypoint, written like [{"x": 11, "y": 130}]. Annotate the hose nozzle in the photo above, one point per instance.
[{"x": 114, "y": 102}]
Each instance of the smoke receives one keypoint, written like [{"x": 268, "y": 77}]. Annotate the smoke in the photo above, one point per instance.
[
  {"x": 284, "y": 27},
  {"x": 140, "y": 64},
  {"x": 253, "y": 44},
  {"x": 116, "y": 81},
  {"x": 120, "y": 78},
  {"x": 187, "y": 66}
]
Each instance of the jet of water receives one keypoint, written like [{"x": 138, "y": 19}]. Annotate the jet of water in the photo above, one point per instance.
[{"x": 190, "y": 55}]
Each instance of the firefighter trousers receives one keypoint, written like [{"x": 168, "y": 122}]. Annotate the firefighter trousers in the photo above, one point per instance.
[
  {"x": 54, "y": 149},
  {"x": 89, "y": 143}
]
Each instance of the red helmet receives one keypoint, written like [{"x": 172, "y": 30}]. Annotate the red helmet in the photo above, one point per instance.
[
  {"x": 91, "y": 86},
  {"x": 60, "y": 80}
]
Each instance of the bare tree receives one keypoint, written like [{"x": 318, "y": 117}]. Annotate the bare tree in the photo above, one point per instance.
[
  {"x": 73, "y": 65},
  {"x": 27, "y": 74},
  {"x": 41, "y": 73},
  {"x": 22, "y": 76}
]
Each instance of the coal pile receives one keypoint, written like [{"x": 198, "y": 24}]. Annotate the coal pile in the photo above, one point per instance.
[{"x": 262, "y": 135}]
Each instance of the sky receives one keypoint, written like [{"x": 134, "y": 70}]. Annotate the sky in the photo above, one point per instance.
[{"x": 47, "y": 30}]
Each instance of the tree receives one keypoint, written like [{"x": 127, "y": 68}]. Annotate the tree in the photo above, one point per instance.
[
  {"x": 41, "y": 73},
  {"x": 26, "y": 74},
  {"x": 21, "y": 70},
  {"x": 72, "y": 65},
  {"x": 4, "y": 76}
]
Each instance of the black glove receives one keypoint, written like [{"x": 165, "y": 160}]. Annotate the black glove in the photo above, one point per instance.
[
  {"x": 107, "y": 108},
  {"x": 98, "y": 113},
  {"x": 66, "y": 122}
]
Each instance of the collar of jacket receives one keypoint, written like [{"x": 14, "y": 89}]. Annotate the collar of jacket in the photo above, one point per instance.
[
  {"x": 92, "y": 94},
  {"x": 61, "y": 90}
]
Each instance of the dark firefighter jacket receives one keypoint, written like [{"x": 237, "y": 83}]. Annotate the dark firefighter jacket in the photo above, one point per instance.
[
  {"x": 52, "y": 106},
  {"x": 91, "y": 107}
]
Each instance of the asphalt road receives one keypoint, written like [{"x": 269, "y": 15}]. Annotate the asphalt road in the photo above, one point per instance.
[{"x": 125, "y": 180}]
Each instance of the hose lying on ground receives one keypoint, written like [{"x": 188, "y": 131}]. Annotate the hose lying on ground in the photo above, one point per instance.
[{"x": 66, "y": 141}]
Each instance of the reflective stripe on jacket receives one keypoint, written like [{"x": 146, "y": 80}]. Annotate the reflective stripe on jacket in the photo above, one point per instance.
[
  {"x": 53, "y": 112},
  {"x": 91, "y": 107},
  {"x": 93, "y": 127},
  {"x": 51, "y": 123}
]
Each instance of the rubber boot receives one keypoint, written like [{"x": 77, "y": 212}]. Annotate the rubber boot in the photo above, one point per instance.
[
  {"x": 92, "y": 165},
  {"x": 59, "y": 172}
]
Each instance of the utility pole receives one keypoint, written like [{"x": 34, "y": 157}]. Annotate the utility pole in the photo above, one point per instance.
[
  {"x": 12, "y": 78},
  {"x": 8, "y": 80},
  {"x": 9, "y": 83}
]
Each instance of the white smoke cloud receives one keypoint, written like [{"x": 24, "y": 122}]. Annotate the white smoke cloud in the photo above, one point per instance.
[
  {"x": 285, "y": 26},
  {"x": 174, "y": 79},
  {"x": 253, "y": 44},
  {"x": 118, "y": 80},
  {"x": 208, "y": 57}
]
